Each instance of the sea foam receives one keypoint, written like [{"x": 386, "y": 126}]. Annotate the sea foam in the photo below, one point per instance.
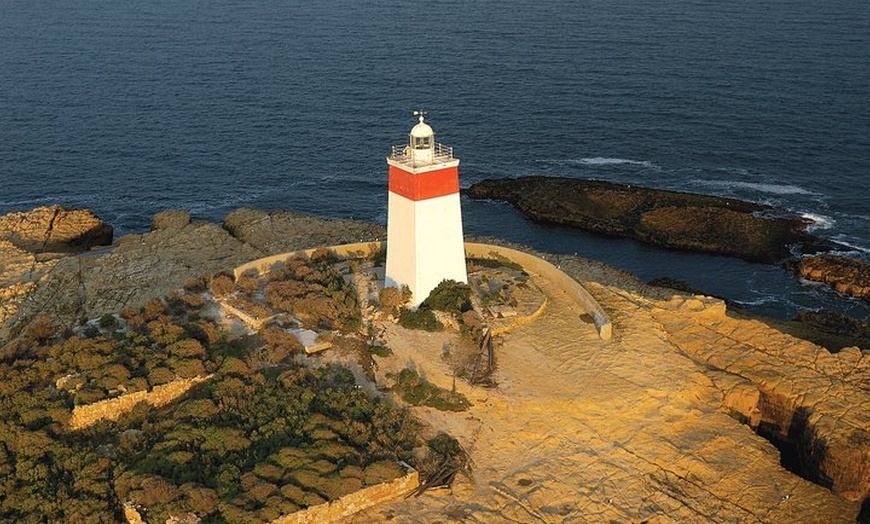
[
  {"x": 774, "y": 189},
  {"x": 818, "y": 222},
  {"x": 601, "y": 161}
]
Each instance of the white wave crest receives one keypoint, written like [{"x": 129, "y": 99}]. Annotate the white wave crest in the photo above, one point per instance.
[
  {"x": 601, "y": 161},
  {"x": 850, "y": 242},
  {"x": 775, "y": 189},
  {"x": 604, "y": 161},
  {"x": 761, "y": 301},
  {"x": 818, "y": 222}
]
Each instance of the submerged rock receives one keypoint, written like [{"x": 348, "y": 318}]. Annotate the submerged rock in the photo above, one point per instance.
[{"x": 668, "y": 219}]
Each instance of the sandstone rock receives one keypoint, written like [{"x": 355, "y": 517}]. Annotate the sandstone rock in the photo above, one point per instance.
[
  {"x": 54, "y": 229},
  {"x": 665, "y": 218},
  {"x": 579, "y": 429},
  {"x": 816, "y": 400},
  {"x": 19, "y": 272},
  {"x": 139, "y": 268},
  {"x": 170, "y": 220},
  {"x": 849, "y": 276},
  {"x": 654, "y": 425},
  {"x": 273, "y": 232}
]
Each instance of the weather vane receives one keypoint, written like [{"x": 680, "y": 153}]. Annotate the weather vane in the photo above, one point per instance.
[{"x": 420, "y": 113}]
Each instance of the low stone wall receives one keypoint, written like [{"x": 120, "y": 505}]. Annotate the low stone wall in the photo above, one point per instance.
[
  {"x": 263, "y": 265},
  {"x": 347, "y": 505},
  {"x": 253, "y": 323},
  {"x": 132, "y": 514},
  {"x": 538, "y": 265},
  {"x": 547, "y": 270},
  {"x": 113, "y": 408},
  {"x": 521, "y": 321}
]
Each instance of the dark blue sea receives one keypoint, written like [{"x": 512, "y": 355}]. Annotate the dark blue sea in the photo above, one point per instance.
[{"x": 129, "y": 107}]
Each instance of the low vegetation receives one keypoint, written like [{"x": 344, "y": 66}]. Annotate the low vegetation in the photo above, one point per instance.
[
  {"x": 419, "y": 392},
  {"x": 421, "y": 318},
  {"x": 264, "y": 437}
]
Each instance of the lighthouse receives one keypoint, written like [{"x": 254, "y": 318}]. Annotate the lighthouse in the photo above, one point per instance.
[{"x": 424, "y": 220}]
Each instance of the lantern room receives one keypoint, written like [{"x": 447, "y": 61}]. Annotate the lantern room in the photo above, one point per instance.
[{"x": 422, "y": 142}]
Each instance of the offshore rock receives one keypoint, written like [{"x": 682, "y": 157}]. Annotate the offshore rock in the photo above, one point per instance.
[
  {"x": 846, "y": 275},
  {"x": 668, "y": 219},
  {"x": 54, "y": 229}
]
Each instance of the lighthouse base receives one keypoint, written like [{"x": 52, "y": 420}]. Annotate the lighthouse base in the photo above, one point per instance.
[{"x": 424, "y": 244}]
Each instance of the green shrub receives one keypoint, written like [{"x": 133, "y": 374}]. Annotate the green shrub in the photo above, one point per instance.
[
  {"x": 221, "y": 286},
  {"x": 419, "y": 392},
  {"x": 421, "y": 319},
  {"x": 449, "y": 296},
  {"x": 108, "y": 321},
  {"x": 379, "y": 256}
]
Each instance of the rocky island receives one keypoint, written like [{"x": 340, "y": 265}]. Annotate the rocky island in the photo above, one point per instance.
[
  {"x": 670, "y": 219},
  {"x": 687, "y": 413}
]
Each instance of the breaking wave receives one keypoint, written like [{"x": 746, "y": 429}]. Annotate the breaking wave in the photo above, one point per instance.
[
  {"x": 774, "y": 189},
  {"x": 850, "y": 242},
  {"x": 818, "y": 222},
  {"x": 602, "y": 161}
]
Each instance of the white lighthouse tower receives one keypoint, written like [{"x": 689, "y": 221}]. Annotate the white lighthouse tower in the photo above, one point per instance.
[{"x": 424, "y": 220}]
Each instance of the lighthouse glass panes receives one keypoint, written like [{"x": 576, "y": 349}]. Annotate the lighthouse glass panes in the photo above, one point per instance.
[{"x": 424, "y": 222}]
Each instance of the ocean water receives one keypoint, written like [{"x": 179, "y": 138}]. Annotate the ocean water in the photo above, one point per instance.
[{"x": 130, "y": 107}]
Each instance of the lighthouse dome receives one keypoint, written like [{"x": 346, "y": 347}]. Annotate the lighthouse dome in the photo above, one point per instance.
[{"x": 422, "y": 129}]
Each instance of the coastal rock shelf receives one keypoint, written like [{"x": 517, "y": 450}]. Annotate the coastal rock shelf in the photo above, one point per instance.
[
  {"x": 640, "y": 428},
  {"x": 658, "y": 423},
  {"x": 668, "y": 219}
]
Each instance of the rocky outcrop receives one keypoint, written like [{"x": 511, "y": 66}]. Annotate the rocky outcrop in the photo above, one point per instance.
[
  {"x": 143, "y": 266},
  {"x": 54, "y": 229},
  {"x": 140, "y": 267},
  {"x": 273, "y": 232},
  {"x": 170, "y": 220},
  {"x": 846, "y": 275},
  {"x": 644, "y": 427},
  {"x": 654, "y": 425},
  {"x": 19, "y": 271},
  {"x": 32, "y": 242},
  {"x": 808, "y": 397},
  {"x": 668, "y": 219}
]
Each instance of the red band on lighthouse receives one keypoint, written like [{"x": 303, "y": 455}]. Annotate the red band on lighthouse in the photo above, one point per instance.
[{"x": 422, "y": 186}]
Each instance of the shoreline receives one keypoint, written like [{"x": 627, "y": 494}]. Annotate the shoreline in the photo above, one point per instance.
[
  {"x": 258, "y": 232},
  {"x": 683, "y": 382}
]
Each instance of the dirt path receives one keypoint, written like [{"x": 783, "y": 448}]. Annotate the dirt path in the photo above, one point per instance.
[{"x": 581, "y": 430}]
